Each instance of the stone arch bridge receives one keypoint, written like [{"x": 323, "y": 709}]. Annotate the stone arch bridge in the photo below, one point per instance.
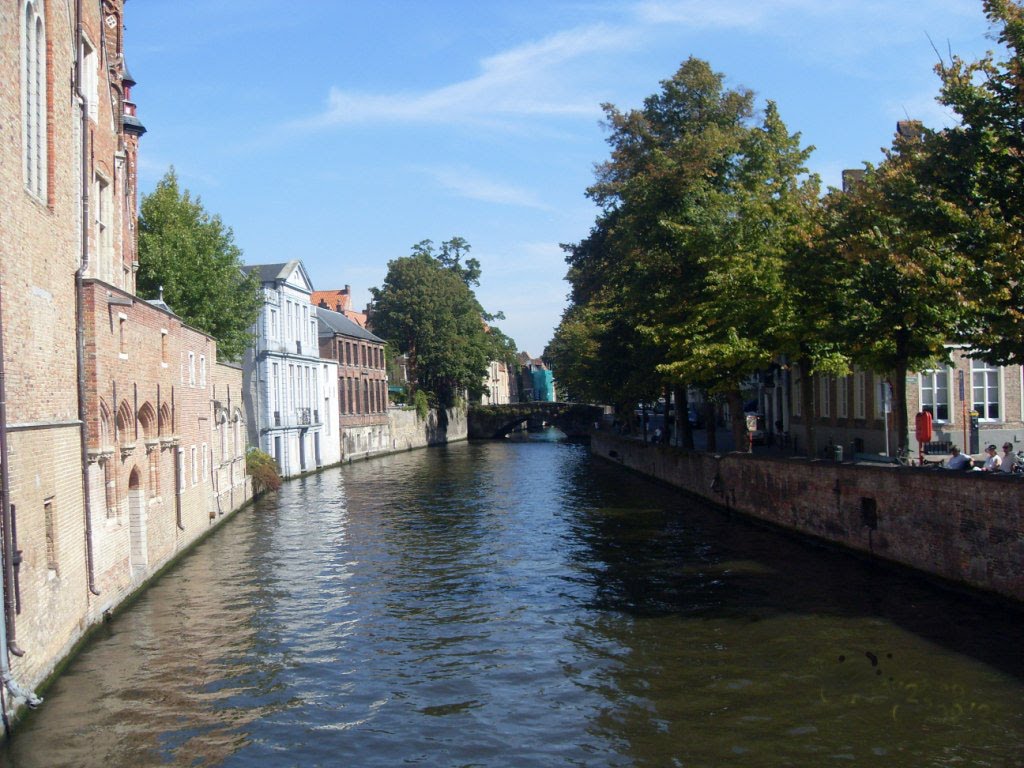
[{"x": 487, "y": 422}]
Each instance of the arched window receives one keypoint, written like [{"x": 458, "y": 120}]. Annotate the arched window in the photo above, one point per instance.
[
  {"x": 125, "y": 433},
  {"x": 105, "y": 436},
  {"x": 147, "y": 421},
  {"x": 165, "y": 420},
  {"x": 33, "y": 97}
]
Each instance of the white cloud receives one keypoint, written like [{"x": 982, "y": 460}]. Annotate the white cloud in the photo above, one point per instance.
[
  {"x": 526, "y": 81},
  {"x": 468, "y": 183}
]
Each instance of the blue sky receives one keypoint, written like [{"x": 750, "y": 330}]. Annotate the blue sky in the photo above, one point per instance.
[{"x": 343, "y": 132}]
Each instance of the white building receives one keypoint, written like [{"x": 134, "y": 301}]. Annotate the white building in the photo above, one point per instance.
[
  {"x": 497, "y": 387},
  {"x": 289, "y": 416}
]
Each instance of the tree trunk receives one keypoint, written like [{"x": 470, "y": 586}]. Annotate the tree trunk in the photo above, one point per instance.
[
  {"x": 710, "y": 426},
  {"x": 683, "y": 427},
  {"x": 807, "y": 409},
  {"x": 899, "y": 405},
  {"x": 738, "y": 422}
]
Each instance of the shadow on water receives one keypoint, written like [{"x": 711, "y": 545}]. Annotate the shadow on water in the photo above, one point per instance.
[{"x": 697, "y": 561}]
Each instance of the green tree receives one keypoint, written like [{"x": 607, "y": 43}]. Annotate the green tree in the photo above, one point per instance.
[
  {"x": 701, "y": 209},
  {"x": 428, "y": 310},
  {"x": 192, "y": 258},
  {"x": 977, "y": 177},
  {"x": 904, "y": 285}
]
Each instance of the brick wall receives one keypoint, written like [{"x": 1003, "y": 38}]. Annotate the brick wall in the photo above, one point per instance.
[{"x": 962, "y": 527}]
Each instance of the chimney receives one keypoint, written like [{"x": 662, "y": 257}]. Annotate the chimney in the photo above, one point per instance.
[
  {"x": 852, "y": 177},
  {"x": 910, "y": 129}
]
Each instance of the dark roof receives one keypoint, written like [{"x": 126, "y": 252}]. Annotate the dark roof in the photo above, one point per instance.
[
  {"x": 268, "y": 273},
  {"x": 160, "y": 304},
  {"x": 132, "y": 124},
  {"x": 336, "y": 323}
]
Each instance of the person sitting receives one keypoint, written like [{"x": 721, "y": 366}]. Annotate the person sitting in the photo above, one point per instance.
[
  {"x": 1009, "y": 464},
  {"x": 993, "y": 462},
  {"x": 959, "y": 461}
]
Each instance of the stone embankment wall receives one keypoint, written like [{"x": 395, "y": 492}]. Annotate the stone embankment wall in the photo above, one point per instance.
[
  {"x": 962, "y": 527},
  {"x": 408, "y": 431}
]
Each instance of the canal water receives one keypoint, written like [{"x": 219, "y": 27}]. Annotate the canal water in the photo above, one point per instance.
[{"x": 518, "y": 603}]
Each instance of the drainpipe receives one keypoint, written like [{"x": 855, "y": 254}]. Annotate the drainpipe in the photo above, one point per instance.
[
  {"x": 79, "y": 308},
  {"x": 7, "y": 626}
]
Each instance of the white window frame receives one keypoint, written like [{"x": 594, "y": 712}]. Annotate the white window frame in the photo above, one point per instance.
[
  {"x": 191, "y": 369},
  {"x": 195, "y": 465},
  {"x": 202, "y": 370},
  {"x": 843, "y": 397},
  {"x": 933, "y": 390},
  {"x": 981, "y": 367},
  {"x": 206, "y": 463},
  {"x": 859, "y": 395},
  {"x": 35, "y": 158},
  {"x": 880, "y": 390},
  {"x": 181, "y": 469},
  {"x": 90, "y": 79}
]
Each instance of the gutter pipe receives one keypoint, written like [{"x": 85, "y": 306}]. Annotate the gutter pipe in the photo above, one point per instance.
[{"x": 79, "y": 309}]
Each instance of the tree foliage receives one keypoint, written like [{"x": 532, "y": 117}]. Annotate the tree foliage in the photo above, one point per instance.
[
  {"x": 902, "y": 283},
  {"x": 682, "y": 276},
  {"x": 978, "y": 178},
  {"x": 192, "y": 257},
  {"x": 427, "y": 309}
]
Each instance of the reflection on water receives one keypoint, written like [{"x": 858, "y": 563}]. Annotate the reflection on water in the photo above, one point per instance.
[{"x": 514, "y": 603}]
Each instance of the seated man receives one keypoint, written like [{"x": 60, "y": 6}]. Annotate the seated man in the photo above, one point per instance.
[{"x": 958, "y": 460}]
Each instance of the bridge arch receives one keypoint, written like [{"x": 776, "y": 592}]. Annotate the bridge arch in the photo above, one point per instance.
[{"x": 490, "y": 422}]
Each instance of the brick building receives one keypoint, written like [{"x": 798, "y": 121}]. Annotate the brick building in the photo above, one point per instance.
[
  {"x": 110, "y": 461},
  {"x": 362, "y": 384},
  {"x": 851, "y": 411},
  {"x": 339, "y": 301}
]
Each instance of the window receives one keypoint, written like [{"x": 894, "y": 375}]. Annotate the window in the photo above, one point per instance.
[
  {"x": 191, "y": 369},
  {"x": 935, "y": 393},
  {"x": 883, "y": 397},
  {"x": 202, "y": 370},
  {"x": 858, "y": 395},
  {"x": 272, "y": 333},
  {"x": 90, "y": 89},
  {"x": 50, "y": 523},
  {"x": 341, "y": 396},
  {"x": 33, "y": 95},
  {"x": 122, "y": 337},
  {"x": 103, "y": 208},
  {"x": 206, "y": 463},
  {"x": 275, "y": 388},
  {"x": 163, "y": 347},
  {"x": 842, "y": 396},
  {"x": 195, "y": 465},
  {"x": 181, "y": 469},
  {"x": 825, "y": 407},
  {"x": 985, "y": 390}
]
